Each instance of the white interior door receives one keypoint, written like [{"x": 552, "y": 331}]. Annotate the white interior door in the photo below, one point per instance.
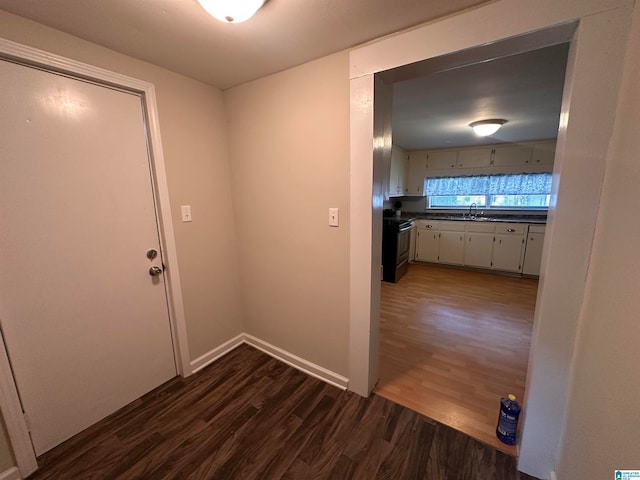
[{"x": 86, "y": 325}]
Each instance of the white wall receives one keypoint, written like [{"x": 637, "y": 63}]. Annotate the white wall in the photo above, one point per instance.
[
  {"x": 289, "y": 153},
  {"x": 603, "y": 421}
]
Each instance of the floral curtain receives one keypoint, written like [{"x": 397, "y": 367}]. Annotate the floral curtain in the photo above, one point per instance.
[{"x": 518, "y": 184}]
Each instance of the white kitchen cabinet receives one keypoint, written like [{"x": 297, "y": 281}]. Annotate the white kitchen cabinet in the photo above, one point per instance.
[
  {"x": 508, "y": 247},
  {"x": 512, "y": 156},
  {"x": 451, "y": 243},
  {"x": 442, "y": 160},
  {"x": 398, "y": 173},
  {"x": 427, "y": 240},
  {"x": 478, "y": 247},
  {"x": 474, "y": 158},
  {"x": 427, "y": 245},
  {"x": 417, "y": 173},
  {"x": 533, "y": 250},
  {"x": 543, "y": 153}
]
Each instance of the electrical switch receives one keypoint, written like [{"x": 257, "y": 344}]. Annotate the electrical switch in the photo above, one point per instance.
[
  {"x": 186, "y": 213},
  {"x": 333, "y": 217}
]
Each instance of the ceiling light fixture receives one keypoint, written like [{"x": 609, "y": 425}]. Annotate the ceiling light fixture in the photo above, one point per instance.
[
  {"x": 231, "y": 11},
  {"x": 484, "y": 128}
]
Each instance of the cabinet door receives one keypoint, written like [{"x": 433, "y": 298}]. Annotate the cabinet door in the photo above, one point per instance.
[
  {"x": 474, "y": 158},
  {"x": 543, "y": 153},
  {"x": 398, "y": 173},
  {"x": 417, "y": 173},
  {"x": 451, "y": 248},
  {"x": 478, "y": 249},
  {"x": 507, "y": 252},
  {"x": 512, "y": 156},
  {"x": 427, "y": 246},
  {"x": 442, "y": 160},
  {"x": 533, "y": 254}
]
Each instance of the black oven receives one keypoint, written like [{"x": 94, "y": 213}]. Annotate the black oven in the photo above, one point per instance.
[{"x": 396, "y": 241}]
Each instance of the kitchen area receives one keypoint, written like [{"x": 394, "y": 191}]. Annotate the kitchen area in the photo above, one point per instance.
[
  {"x": 502, "y": 241},
  {"x": 464, "y": 223}
]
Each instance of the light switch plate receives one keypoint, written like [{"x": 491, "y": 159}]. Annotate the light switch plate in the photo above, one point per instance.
[
  {"x": 334, "y": 220},
  {"x": 185, "y": 210}
]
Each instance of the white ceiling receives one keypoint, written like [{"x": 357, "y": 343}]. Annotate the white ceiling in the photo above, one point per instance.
[
  {"x": 180, "y": 36},
  {"x": 432, "y": 111}
]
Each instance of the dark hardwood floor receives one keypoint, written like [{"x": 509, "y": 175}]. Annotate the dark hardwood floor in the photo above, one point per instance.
[{"x": 249, "y": 416}]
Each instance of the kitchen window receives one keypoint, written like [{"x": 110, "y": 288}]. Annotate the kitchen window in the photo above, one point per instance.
[{"x": 514, "y": 191}]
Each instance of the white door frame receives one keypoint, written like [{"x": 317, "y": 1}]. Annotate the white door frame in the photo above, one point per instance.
[
  {"x": 594, "y": 70},
  {"x": 9, "y": 401}
]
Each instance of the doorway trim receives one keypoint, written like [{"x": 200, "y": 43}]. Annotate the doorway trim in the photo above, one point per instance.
[
  {"x": 593, "y": 76},
  {"x": 9, "y": 399}
]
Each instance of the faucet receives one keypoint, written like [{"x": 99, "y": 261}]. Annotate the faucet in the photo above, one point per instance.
[{"x": 475, "y": 210}]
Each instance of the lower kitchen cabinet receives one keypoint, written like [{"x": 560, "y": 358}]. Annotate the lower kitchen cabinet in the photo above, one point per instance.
[
  {"x": 427, "y": 246},
  {"x": 451, "y": 247},
  {"x": 508, "y": 247},
  {"x": 496, "y": 246},
  {"x": 478, "y": 249},
  {"x": 533, "y": 252}
]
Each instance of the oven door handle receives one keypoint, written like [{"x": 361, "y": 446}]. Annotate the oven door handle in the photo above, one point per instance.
[{"x": 405, "y": 229}]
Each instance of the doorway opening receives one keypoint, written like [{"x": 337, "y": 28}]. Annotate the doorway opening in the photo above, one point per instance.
[{"x": 453, "y": 341}]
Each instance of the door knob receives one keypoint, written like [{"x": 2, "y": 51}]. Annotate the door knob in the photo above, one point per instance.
[{"x": 155, "y": 271}]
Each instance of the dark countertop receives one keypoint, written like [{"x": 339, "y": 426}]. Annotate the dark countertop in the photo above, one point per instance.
[{"x": 536, "y": 219}]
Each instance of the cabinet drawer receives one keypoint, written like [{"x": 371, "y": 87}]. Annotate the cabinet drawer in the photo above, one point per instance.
[
  {"x": 427, "y": 225},
  {"x": 452, "y": 226},
  {"x": 511, "y": 228},
  {"x": 481, "y": 227}
]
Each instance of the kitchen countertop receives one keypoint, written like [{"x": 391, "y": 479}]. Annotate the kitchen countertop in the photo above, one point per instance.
[{"x": 536, "y": 219}]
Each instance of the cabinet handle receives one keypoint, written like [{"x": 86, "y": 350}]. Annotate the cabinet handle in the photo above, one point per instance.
[
  {"x": 511, "y": 230},
  {"x": 429, "y": 226}
]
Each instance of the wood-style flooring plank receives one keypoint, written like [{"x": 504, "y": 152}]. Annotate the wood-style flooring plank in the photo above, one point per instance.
[
  {"x": 453, "y": 342},
  {"x": 248, "y": 416}
]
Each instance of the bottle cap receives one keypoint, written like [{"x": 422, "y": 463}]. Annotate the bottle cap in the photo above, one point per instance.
[{"x": 511, "y": 397}]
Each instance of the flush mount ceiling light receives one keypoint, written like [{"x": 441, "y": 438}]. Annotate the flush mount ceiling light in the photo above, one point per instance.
[
  {"x": 231, "y": 11},
  {"x": 485, "y": 128}
]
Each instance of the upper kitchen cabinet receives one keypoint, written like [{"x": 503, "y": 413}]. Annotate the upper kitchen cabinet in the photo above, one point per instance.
[
  {"x": 512, "y": 156},
  {"x": 543, "y": 153},
  {"x": 398, "y": 176},
  {"x": 442, "y": 159},
  {"x": 474, "y": 158},
  {"x": 533, "y": 157},
  {"x": 417, "y": 173}
]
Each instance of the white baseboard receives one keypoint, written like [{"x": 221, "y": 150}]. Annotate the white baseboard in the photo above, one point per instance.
[
  {"x": 301, "y": 364},
  {"x": 212, "y": 355},
  {"x": 11, "y": 474},
  {"x": 553, "y": 476}
]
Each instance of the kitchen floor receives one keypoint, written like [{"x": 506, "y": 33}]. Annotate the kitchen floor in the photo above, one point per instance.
[{"x": 453, "y": 342}]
